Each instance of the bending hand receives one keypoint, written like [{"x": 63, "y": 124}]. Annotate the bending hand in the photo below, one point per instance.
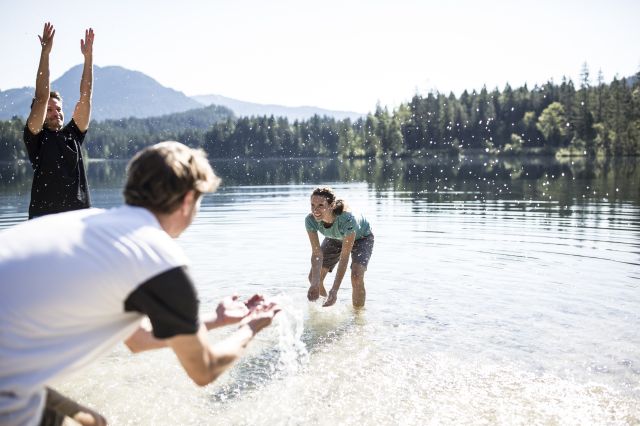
[
  {"x": 313, "y": 293},
  {"x": 86, "y": 45},
  {"x": 261, "y": 316},
  {"x": 231, "y": 310},
  {"x": 46, "y": 41},
  {"x": 331, "y": 299}
]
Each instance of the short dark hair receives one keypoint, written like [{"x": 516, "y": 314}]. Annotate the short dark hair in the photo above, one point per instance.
[{"x": 53, "y": 94}]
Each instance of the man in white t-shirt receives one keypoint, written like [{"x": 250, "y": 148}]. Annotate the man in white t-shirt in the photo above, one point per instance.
[{"x": 73, "y": 285}]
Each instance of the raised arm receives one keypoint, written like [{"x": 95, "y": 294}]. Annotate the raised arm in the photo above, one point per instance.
[
  {"x": 38, "y": 113},
  {"x": 82, "y": 112},
  {"x": 347, "y": 245},
  {"x": 204, "y": 363}
]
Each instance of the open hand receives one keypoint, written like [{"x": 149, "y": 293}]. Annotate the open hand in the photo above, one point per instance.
[
  {"x": 46, "y": 40},
  {"x": 261, "y": 316},
  {"x": 232, "y": 310},
  {"x": 86, "y": 44}
]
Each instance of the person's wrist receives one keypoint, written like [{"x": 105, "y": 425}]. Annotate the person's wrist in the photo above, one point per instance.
[
  {"x": 249, "y": 328},
  {"x": 211, "y": 321}
]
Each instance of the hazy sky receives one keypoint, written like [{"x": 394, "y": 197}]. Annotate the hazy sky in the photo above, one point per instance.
[{"x": 342, "y": 55}]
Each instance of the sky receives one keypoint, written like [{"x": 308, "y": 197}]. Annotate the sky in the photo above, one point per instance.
[{"x": 347, "y": 55}]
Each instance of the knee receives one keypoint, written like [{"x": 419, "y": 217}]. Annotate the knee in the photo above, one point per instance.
[{"x": 357, "y": 277}]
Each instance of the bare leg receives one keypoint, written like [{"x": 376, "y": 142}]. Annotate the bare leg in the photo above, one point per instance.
[
  {"x": 358, "y": 293},
  {"x": 323, "y": 273}
]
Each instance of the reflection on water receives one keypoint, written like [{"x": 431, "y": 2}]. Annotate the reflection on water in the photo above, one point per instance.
[
  {"x": 499, "y": 292},
  {"x": 564, "y": 181}
]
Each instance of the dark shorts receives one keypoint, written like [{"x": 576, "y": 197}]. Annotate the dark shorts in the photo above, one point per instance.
[
  {"x": 360, "y": 253},
  {"x": 57, "y": 408}
]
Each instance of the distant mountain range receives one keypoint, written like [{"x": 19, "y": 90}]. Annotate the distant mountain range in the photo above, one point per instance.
[
  {"x": 117, "y": 93},
  {"x": 242, "y": 108},
  {"x": 122, "y": 93}
]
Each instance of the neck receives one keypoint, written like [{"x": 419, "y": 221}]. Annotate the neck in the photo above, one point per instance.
[
  {"x": 169, "y": 224},
  {"x": 52, "y": 128},
  {"x": 330, "y": 219}
]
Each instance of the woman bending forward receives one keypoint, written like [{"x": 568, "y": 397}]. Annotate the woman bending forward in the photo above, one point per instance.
[{"x": 345, "y": 234}]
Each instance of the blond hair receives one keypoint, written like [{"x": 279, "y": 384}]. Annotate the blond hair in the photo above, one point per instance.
[{"x": 159, "y": 176}]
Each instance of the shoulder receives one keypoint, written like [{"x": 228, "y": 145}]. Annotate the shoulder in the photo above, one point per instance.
[
  {"x": 140, "y": 238},
  {"x": 28, "y": 135},
  {"x": 346, "y": 217},
  {"x": 347, "y": 223},
  {"x": 161, "y": 244},
  {"x": 72, "y": 128},
  {"x": 310, "y": 223}
]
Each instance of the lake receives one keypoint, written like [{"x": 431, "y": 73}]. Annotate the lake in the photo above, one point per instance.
[{"x": 499, "y": 292}]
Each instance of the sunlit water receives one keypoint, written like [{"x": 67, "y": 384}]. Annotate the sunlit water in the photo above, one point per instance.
[{"x": 497, "y": 293}]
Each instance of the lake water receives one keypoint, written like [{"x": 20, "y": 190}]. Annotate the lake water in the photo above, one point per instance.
[{"x": 499, "y": 292}]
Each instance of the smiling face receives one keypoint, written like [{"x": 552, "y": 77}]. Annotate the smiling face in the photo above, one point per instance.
[
  {"x": 321, "y": 209},
  {"x": 55, "y": 117}
]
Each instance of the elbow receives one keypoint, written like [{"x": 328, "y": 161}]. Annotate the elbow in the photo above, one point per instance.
[
  {"x": 133, "y": 346},
  {"x": 134, "y": 349},
  {"x": 202, "y": 380},
  {"x": 210, "y": 372}
]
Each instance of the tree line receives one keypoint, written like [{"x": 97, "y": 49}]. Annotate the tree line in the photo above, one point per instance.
[{"x": 593, "y": 119}]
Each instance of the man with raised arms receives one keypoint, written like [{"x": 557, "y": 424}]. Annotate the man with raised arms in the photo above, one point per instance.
[{"x": 59, "y": 178}]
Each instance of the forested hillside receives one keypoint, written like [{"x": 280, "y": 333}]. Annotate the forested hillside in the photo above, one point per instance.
[{"x": 590, "y": 119}]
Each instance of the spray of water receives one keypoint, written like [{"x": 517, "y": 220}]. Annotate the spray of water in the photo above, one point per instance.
[{"x": 293, "y": 353}]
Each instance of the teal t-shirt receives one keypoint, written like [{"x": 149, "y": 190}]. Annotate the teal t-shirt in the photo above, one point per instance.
[{"x": 344, "y": 225}]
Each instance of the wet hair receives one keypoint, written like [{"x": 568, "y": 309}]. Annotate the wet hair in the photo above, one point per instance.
[
  {"x": 159, "y": 176},
  {"x": 53, "y": 94},
  {"x": 330, "y": 196}
]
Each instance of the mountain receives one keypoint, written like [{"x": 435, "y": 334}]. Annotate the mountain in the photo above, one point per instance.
[
  {"x": 117, "y": 93},
  {"x": 122, "y": 93},
  {"x": 242, "y": 108},
  {"x": 15, "y": 102},
  {"x": 201, "y": 118}
]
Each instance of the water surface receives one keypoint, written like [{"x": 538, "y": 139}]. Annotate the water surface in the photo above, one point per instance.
[{"x": 499, "y": 292}]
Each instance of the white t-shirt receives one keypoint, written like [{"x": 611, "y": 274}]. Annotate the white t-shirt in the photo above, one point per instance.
[{"x": 64, "y": 283}]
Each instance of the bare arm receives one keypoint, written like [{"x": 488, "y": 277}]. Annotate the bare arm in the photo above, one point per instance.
[
  {"x": 229, "y": 311},
  {"x": 316, "y": 257},
  {"x": 204, "y": 363},
  {"x": 38, "y": 113},
  {"x": 143, "y": 340},
  {"x": 347, "y": 245},
  {"x": 82, "y": 112}
]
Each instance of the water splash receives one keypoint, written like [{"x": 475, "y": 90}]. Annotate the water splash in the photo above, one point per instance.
[{"x": 293, "y": 352}]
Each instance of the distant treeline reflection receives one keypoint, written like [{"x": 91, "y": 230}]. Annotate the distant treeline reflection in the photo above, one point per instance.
[{"x": 437, "y": 179}]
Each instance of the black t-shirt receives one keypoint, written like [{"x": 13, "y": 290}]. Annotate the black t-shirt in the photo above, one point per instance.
[
  {"x": 169, "y": 300},
  {"x": 59, "y": 178}
]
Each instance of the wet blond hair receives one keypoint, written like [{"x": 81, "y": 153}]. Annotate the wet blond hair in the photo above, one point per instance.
[{"x": 159, "y": 176}]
